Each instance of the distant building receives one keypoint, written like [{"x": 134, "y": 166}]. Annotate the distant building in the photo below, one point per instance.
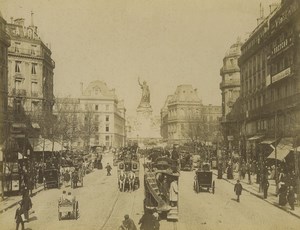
[
  {"x": 230, "y": 87},
  {"x": 98, "y": 114},
  {"x": 184, "y": 118},
  {"x": 30, "y": 72}
]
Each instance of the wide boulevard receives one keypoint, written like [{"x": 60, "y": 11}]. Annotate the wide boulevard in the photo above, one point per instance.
[{"x": 102, "y": 206}]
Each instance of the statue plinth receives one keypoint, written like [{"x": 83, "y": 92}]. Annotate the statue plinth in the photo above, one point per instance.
[{"x": 144, "y": 110}]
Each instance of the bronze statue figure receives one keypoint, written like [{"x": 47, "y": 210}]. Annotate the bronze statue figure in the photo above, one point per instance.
[{"x": 145, "y": 92}]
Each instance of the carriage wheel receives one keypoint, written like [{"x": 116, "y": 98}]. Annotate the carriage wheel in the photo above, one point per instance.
[
  {"x": 198, "y": 188},
  {"x": 213, "y": 187},
  {"x": 59, "y": 216}
]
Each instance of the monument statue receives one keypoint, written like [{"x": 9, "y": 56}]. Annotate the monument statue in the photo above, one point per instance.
[{"x": 145, "y": 100}]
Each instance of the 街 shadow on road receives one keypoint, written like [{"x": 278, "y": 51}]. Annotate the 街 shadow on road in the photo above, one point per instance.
[{"x": 33, "y": 218}]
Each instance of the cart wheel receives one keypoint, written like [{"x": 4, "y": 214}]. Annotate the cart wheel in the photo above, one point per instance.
[
  {"x": 198, "y": 188},
  {"x": 213, "y": 187},
  {"x": 59, "y": 216}
]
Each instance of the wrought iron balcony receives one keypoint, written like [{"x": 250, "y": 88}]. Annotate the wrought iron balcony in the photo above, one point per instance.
[
  {"x": 19, "y": 92},
  {"x": 22, "y": 51}
]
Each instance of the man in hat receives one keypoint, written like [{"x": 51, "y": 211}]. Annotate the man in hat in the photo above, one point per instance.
[
  {"x": 128, "y": 223},
  {"x": 108, "y": 168},
  {"x": 238, "y": 190},
  {"x": 19, "y": 216}
]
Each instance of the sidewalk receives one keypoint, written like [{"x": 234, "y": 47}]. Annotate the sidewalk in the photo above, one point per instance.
[
  {"x": 11, "y": 201},
  {"x": 254, "y": 190}
]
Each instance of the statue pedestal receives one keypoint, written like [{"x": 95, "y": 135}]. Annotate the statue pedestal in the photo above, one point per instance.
[{"x": 144, "y": 112}]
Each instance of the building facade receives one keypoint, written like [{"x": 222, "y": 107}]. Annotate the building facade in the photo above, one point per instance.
[
  {"x": 4, "y": 44},
  {"x": 270, "y": 78},
  {"x": 230, "y": 90},
  {"x": 184, "y": 118},
  {"x": 30, "y": 71},
  {"x": 270, "y": 91},
  {"x": 4, "y": 128},
  {"x": 97, "y": 117}
]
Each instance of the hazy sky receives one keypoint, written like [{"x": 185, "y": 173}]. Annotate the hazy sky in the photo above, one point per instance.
[{"x": 165, "y": 42}]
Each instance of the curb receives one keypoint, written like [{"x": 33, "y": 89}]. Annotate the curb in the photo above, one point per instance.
[
  {"x": 16, "y": 202},
  {"x": 252, "y": 193}
]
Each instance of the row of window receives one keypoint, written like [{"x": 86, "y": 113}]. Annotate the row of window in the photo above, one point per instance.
[
  {"x": 96, "y": 107},
  {"x": 107, "y": 138},
  {"x": 98, "y": 116},
  {"x": 18, "y": 67},
  {"x": 96, "y": 128},
  {"x": 275, "y": 94}
]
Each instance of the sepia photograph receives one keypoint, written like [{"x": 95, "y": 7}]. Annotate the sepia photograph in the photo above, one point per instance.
[{"x": 150, "y": 114}]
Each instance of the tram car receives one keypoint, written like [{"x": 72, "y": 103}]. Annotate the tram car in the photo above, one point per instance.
[
  {"x": 161, "y": 187},
  {"x": 204, "y": 179},
  {"x": 126, "y": 167}
]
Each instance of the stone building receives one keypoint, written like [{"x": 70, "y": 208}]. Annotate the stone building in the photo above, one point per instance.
[
  {"x": 230, "y": 87},
  {"x": 270, "y": 84},
  {"x": 4, "y": 129},
  {"x": 30, "y": 71},
  {"x": 98, "y": 114},
  {"x": 4, "y": 44},
  {"x": 184, "y": 118}
]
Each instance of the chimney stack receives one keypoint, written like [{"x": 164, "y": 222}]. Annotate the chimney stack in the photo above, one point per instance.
[
  {"x": 81, "y": 87},
  {"x": 32, "y": 19},
  {"x": 261, "y": 15}
]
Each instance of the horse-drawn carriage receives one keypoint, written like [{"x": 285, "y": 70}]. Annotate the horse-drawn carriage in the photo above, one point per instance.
[
  {"x": 68, "y": 209},
  {"x": 204, "y": 179},
  {"x": 186, "y": 161},
  {"x": 51, "y": 178}
]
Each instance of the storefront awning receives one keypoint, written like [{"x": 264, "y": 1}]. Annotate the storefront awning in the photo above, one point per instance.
[
  {"x": 282, "y": 149},
  {"x": 268, "y": 141},
  {"x": 45, "y": 145},
  {"x": 256, "y": 137}
]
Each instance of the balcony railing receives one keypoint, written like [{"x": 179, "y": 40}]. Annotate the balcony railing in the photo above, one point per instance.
[
  {"x": 34, "y": 94},
  {"x": 229, "y": 84},
  {"x": 19, "y": 92},
  {"x": 271, "y": 108},
  {"x": 229, "y": 68},
  {"x": 31, "y": 52}
]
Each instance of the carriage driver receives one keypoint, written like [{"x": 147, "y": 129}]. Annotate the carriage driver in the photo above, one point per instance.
[
  {"x": 131, "y": 179},
  {"x": 122, "y": 180}
]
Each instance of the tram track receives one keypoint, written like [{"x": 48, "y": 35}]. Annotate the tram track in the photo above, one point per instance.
[{"x": 111, "y": 211}]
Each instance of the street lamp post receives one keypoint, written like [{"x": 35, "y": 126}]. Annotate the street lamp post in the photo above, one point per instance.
[{"x": 276, "y": 169}]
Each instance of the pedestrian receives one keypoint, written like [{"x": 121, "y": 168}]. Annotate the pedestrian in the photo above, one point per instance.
[
  {"x": 291, "y": 197},
  {"x": 156, "y": 220},
  {"x": 265, "y": 186},
  {"x": 67, "y": 178},
  {"x": 282, "y": 192},
  {"x": 147, "y": 221},
  {"x": 173, "y": 193},
  {"x": 26, "y": 205},
  {"x": 248, "y": 169},
  {"x": 108, "y": 168},
  {"x": 238, "y": 190},
  {"x": 220, "y": 170},
  {"x": 128, "y": 224},
  {"x": 19, "y": 216}
]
